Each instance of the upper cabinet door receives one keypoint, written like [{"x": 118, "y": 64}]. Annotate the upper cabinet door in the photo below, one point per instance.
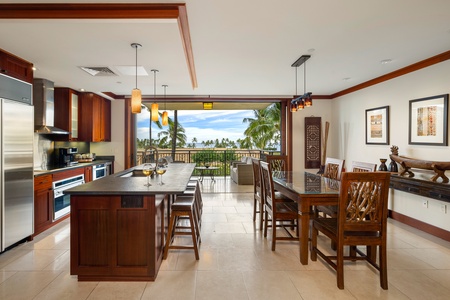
[
  {"x": 16, "y": 67},
  {"x": 67, "y": 113},
  {"x": 94, "y": 118},
  {"x": 74, "y": 116}
]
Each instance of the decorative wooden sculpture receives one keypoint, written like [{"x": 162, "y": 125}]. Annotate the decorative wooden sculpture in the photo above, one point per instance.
[{"x": 439, "y": 167}]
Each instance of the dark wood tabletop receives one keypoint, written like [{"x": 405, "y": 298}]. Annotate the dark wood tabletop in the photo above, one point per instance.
[
  {"x": 308, "y": 190},
  {"x": 130, "y": 182}
]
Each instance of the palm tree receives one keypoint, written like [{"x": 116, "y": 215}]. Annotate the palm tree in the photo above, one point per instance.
[
  {"x": 167, "y": 136},
  {"x": 245, "y": 143},
  {"x": 194, "y": 140},
  {"x": 150, "y": 123},
  {"x": 264, "y": 129},
  {"x": 175, "y": 134}
]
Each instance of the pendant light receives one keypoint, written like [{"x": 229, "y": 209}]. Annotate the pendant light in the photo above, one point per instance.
[
  {"x": 304, "y": 100},
  {"x": 136, "y": 96},
  {"x": 154, "y": 108},
  {"x": 307, "y": 100},
  {"x": 294, "y": 105},
  {"x": 165, "y": 115}
]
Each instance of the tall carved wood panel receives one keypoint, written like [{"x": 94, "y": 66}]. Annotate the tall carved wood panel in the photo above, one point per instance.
[{"x": 313, "y": 139}]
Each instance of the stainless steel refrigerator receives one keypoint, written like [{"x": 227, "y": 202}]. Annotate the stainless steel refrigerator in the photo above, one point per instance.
[{"x": 16, "y": 161}]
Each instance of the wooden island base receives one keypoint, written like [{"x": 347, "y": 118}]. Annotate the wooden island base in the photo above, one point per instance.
[{"x": 117, "y": 238}]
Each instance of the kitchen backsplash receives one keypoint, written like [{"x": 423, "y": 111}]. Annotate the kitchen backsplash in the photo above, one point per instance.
[{"x": 44, "y": 150}]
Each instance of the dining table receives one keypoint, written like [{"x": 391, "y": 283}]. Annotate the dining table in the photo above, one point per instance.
[{"x": 308, "y": 190}]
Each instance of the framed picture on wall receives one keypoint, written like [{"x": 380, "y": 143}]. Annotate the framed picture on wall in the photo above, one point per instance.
[
  {"x": 377, "y": 126},
  {"x": 428, "y": 121}
]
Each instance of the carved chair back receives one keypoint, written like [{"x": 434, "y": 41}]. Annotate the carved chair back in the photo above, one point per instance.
[
  {"x": 333, "y": 168},
  {"x": 278, "y": 162},
  {"x": 358, "y": 166},
  {"x": 363, "y": 202}
]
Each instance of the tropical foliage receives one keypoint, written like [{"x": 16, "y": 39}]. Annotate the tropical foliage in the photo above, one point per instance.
[
  {"x": 166, "y": 136},
  {"x": 211, "y": 156},
  {"x": 263, "y": 132}
]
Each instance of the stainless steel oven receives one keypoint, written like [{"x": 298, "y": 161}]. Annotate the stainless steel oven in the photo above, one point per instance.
[
  {"x": 61, "y": 202},
  {"x": 99, "y": 171}
]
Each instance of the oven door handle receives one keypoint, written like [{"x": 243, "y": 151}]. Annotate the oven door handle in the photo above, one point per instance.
[{"x": 57, "y": 193}]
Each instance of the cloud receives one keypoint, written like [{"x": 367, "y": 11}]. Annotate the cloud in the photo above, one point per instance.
[{"x": 203, "y": 125}]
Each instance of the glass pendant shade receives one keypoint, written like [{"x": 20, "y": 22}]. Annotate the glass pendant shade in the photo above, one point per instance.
[
  {"x": 293, "y": 107},
  {"x": 165, "y": 118},
  {"x": 136, "y": 100},
  {"x": 155, "y": 114},
  {"x": 300, "y": 105},
  {"x": 308, "y": 102}
]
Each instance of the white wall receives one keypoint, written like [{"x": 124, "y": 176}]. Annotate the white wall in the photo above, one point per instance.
[
  {"x": 348, "y": 132},
  {"x": 320, "y": 108},
  {"x": 117, "y": 145}
]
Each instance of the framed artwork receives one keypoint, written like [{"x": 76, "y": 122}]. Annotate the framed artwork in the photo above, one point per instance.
[
  {"x": 377, "y": 126},
  {"x": 428, "y": 121}
]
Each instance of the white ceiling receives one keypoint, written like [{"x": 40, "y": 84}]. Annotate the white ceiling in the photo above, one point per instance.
[{"x": 240, "y": 47}]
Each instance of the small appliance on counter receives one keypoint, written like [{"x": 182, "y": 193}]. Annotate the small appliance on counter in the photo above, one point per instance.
[
  {"x": 85, "y": 157},
  {"x": 66, "y": 156}
]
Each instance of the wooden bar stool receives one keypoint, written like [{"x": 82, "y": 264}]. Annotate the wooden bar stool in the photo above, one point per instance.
[
  {"x": 194, "y": 189},
  {"x": 183, "y": 207}
]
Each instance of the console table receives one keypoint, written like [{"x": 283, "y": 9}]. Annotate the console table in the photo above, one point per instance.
[{"x": 425, "y": 188}]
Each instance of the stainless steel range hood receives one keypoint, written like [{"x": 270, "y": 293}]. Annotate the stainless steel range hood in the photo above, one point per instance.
[{"x": 44, "y": 107}]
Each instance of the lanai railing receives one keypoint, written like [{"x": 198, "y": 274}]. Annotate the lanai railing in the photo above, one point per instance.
[{"x": 220, "y": 158}]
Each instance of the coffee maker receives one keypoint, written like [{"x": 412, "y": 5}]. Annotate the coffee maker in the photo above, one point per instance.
[{"x": 66, "y": 156}]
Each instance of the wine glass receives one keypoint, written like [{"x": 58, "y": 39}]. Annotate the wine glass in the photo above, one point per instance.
[
  {"x": 161, "y": 168},
  {"x": 147, "y": 170}
]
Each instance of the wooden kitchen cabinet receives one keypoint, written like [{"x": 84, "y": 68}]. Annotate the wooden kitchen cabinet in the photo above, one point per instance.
[
  {"x": 117, "y": 238},
  {"x": 88, "y": 174},
  {"x": 95, "y": 118},
  {"x": 43, "y": 203},
  {"x": 16, "y": 67},
  {"x": 67, "y": 112}
]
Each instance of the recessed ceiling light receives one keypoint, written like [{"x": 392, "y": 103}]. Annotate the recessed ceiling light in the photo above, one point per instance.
[
  {"x": 34, "y": 68},
  {"x": 311, "y": 50},
  {"x": 346, "y": 78},
  {"x": 386, "y": 61},
  {"x": 82, "y": 90}
]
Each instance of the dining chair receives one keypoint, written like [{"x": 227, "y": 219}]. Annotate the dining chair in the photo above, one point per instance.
[
  {"x": 278, "y": 162},
  {"x": 258, "y": 200},
  {"x": 358, "y": 166},
  {"x": 333, "y": 170},
  {"x": 278, "y": 212},
  {"x": 361, "y": 220}
]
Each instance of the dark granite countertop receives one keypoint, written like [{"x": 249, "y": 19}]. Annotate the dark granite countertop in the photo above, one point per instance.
[
  {"x": 55, "y": 169},
  {"x": 176, "y": 179}
]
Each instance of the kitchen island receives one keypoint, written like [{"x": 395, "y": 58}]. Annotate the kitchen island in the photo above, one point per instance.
[{"x": 118, "y": 225}]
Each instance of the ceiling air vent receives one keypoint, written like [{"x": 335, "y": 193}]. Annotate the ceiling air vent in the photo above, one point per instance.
[{"x": 98, "y": 71}]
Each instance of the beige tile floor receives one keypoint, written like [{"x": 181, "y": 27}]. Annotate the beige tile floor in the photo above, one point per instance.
[{"x": 235, "y": 263}]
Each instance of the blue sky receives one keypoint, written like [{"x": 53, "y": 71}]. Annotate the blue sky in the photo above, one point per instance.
[{"x": 204, "y": 125}]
